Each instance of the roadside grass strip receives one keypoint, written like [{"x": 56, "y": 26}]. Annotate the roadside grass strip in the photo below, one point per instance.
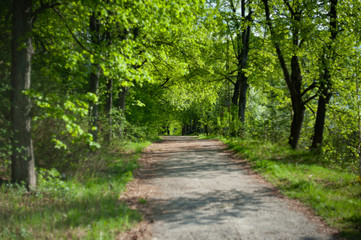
[
  {"x": 334, "y": 195},
  {"x": 85, "y": 206}
]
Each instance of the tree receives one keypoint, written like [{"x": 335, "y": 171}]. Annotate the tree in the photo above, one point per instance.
[
  {"x": 325, "y": 85},
  {"x": 94, "y": 26},
  {"x": 241, "y": 45},
  {"x": 23, "y": 162},
  {"x": 238, "y": 16},
  {"x": 293, "y": 74}
]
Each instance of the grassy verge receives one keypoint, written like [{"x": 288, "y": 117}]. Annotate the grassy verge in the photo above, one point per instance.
[
  {"x": 334, "y": 195},
  {"x": 83, "y": 206}
]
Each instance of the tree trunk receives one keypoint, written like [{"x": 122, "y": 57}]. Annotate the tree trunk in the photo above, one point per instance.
[
  {"x": 94, "y": 107},
  {"x": 243, "y": 99},
  {"x": 241, "y": 85},
  {"x": 109, "y": 107},
  {"x": 320, "y": 120},
  {"x": 296, "y": 125},
  {"x": 293, "y": 80},
  {"x": 246, "y": 33},
  {"x": 22, "y": 159},
  {"x": 94, "y": 78},
  {"x": 236, "y": 91},
  {"x": 122, "y": 98},
  {"x": 326, "y": 84},
  {"x": 298, "y": 104}
]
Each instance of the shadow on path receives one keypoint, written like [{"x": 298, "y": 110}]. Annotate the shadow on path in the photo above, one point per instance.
[{"x": 203, "y": 194}]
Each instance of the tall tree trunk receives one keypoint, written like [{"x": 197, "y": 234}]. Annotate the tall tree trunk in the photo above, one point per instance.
[
  {"x": 298, "y": 104},
  {"x": 326, "y": 84},
  {"x": 236, "y": 91},
  {"x": 94, "y": 107},
  {"x": 121, "y": 105},
  {"x": 320, "y": 117},
  {"x": 94, "y": 78},
  {"x": 243, "y": 99},
  {"x": 109, "y": 107},
  {"x": 22, "y": 159},
  {"x": 297, "y": 122},
  {"x": 109, "y": 85},
  {"x": 243, "y": 64},
  {"x": 241, "y": 85},
  {"x": 122, "y": 98},
  {"x": 293, "y": 80}
]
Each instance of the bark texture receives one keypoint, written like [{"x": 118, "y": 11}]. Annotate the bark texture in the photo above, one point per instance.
[{"x": 22, "y": 159}]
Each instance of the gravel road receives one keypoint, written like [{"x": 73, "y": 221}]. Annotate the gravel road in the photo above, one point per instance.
[{"x": 202, "y": 193}]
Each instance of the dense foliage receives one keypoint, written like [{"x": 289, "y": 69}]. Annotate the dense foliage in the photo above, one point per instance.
[{"x": 286, "y": 71}]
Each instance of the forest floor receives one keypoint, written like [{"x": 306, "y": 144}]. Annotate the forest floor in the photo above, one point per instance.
[{"x": 196, "y": 189}]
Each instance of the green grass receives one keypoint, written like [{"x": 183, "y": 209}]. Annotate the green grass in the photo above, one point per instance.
[
  {"x": 334, "y": 195},
  {"x": 84, "y": 206}
]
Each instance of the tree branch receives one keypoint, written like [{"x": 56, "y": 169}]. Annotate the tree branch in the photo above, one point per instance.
[
  {"x": 165, "y": 82},
  {"x": 309, "y": 107},
  {"x": 72, "y": 34},
  {"x": 301, "y": 42},
  {"x": 140, "y": 65},
  {"x": 229, "y": 79},
  {"x": 276, "y": 45},
  {"x": 289, "y": 7},
  {"x": 233, "y": 44},
  {"x": 309, "y": 99},
  {"x": 312, "y": 86},
  {"x": 44, "y": 7},
  {"x": 233, "y": 7}
]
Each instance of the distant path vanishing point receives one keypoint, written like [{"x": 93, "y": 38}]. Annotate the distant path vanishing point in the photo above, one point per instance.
[{"x": 202, "y": 193}]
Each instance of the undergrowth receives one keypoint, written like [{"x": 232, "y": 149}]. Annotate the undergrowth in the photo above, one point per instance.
[
  {"x": 83, "y": 205},
  {"x": 334, "y": 194}
]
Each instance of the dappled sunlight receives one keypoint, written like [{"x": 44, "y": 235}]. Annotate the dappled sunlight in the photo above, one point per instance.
[{"x": 204, "y": 193}]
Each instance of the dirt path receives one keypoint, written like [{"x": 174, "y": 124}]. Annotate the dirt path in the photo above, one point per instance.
[{"x": 195, "y": 190}]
